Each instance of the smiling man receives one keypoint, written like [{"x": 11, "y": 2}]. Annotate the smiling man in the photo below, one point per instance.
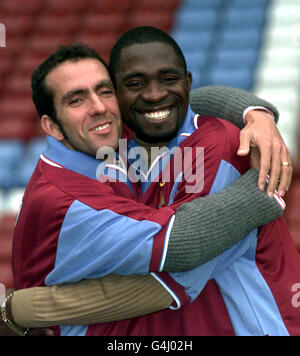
[
  {"x": 81, "y": 223},
  {"x": 155, "y": 115},
  {"x": 91, "y": 116}
]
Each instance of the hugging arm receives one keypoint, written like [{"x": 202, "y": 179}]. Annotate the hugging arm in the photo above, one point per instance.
[
  {"x": 227, "y": 103},
  {"x": 258, "y": 130},
  {"x": 110, "y": 298}
]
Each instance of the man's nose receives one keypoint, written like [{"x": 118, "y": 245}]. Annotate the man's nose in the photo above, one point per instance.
[
  {"x": 97, "y": 107},
  {"x": 154, "y": 92}
]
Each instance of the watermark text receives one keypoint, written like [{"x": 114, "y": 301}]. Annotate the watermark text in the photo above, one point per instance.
[
  {"x": 296, "y": 296},
  {"x": 160, "y": 164},
  {"x": 2, "y": 292},
  {"x": 2, "y": 35}
]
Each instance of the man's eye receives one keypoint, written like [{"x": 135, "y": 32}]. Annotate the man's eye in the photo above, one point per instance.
[
  {"x": 134, "y": 85},
  {"x": 170, "y": 79},
  {"x": 75, "y": 102},
  {"x": 105, "y": 92}
]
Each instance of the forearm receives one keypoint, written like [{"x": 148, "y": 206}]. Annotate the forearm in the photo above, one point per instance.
[
  {"x": 226, "y": 103},
  {"x": 107, "y": 299},
  {"x": 206, "y": 227}
]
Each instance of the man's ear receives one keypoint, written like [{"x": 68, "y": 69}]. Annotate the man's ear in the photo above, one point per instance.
[
  {"x": 51, "y": 128},
  {"x": 189, "y": 79}
]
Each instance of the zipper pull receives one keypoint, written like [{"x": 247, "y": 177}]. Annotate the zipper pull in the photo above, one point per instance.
[{"x": 161, "y": 197}]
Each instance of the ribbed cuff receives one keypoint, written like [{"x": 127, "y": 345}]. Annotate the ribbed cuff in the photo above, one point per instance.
[{"x": 23, "y": 308}]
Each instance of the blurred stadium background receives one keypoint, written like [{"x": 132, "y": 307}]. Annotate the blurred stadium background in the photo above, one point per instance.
[{"x": 248, "y": 44}]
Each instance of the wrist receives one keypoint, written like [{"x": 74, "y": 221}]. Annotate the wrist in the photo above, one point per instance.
[
  {"x": 249, "y": 114},
  {"x": 7, "y": 317}
]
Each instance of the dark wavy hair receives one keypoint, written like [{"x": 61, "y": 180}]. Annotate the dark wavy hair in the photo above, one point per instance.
[{"x": 41, "y": 94}]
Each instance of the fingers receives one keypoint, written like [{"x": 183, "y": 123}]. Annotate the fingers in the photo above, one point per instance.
[
  {"x": 265, "y": 136},
  {"x": 244, "y": 147},
  {"x": 275, "y": 169},
  {"x": 280, "y": 176},
  {"x": 286, "y": 174},
  {"x": 264, "y": 164}
]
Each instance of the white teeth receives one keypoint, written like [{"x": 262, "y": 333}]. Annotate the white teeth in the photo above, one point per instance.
[
  {"x": 158, "y": 115},
  {"x": 101, "y": 128}
]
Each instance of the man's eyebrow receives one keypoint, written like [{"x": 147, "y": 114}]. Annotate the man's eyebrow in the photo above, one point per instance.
[
  {"x": 168, "y": 70},
  {"x": 84, "y": 91},
  {"x": 104, "y": 83}
]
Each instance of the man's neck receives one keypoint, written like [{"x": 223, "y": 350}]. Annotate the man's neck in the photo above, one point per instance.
[{"x": 150, "y": 155}]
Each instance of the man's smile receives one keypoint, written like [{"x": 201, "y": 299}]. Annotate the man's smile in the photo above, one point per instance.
[
  {"x": 102, "y": 128},
  {"x": 155, "y": 116}
]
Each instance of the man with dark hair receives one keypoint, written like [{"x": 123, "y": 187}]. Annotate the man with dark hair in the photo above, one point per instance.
[{"x": 75, "y": 97}]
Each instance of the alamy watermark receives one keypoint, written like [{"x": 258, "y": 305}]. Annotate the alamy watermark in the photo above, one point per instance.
[
  {"x": 2, "y": 35},
  {"x": 296, "y": 296},
  {"x": 176, "y": 164},
  {"x": 2, "y": 292}
]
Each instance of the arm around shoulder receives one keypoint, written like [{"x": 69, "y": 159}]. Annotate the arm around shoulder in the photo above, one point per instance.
[
  {"x": 106, "y": 299},
  {"x": 227, "y": 103}
]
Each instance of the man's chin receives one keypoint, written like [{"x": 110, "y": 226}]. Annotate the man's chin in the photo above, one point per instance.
[{"x": 156, "y": 137}]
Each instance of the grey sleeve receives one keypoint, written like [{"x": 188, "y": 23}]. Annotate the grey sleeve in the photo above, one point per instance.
[
  {"x": 226, "y": 103},
  {"x": 206, "y": 227}
]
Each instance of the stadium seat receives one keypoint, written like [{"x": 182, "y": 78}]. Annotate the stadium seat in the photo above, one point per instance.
[
  {"x": 234, "y": 58},
  {"x": 5, "y": 247},
  {"x": 44, "y": 44},
  {"x": 199, "y": 5},
  {"x": 14, "y": 43},
  {"x": 196, "y": 61},
  {"x": 239, "y": 40},
  {"x": 6, "y": 178},
  {"x": 24, "y": 172},
  {"x": 11, "y": 152},
  {"x": 197, "y": 79},
  {"x": 6, "y": 63},
  {"x": 155, "y": 5},
  {"x": 17, "y": 24},
  {"x": 195, "y": 20},
  {"x": 18, "y": 84},
  {"x": 236, "y": 78},
  {"x": 160, "y": 19},
  {"x": 1, "y": 201},
  {"x": 65, "y": 6},
  {"x": 28, "y": 62},
  {"x": 102, "y": 43},
  {"x": 248, "y": 4},
  {"x": 27, "y": 7},
  {"x": 6, "y": 275},
  {"x": 14, "y": 126},
  {"x": 243, "y": 18},
  {"x": 13, "y": 200},
  {"x": 19, "y": 106},
  {"x": 27, "y": 165},
  {"x": 193, "y": 41},
  {"x": 53, "y": 23},
  {"x": 35, "y": 147},
  {"x": 109, "y": 6},
  {"x": 99, "y": 22}
]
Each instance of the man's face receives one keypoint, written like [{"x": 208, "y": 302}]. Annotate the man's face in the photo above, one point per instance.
[
  {"x": 152, "y": 91},
  {"x": 86, "y": 105}
]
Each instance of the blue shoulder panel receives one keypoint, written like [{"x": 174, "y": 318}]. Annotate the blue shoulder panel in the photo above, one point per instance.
[{"x": 95, "y": 243}]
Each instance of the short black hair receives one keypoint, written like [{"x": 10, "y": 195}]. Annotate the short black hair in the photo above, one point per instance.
[
  {"x": 142, "y": 35},
  {"x": 41, "y": 94}
]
